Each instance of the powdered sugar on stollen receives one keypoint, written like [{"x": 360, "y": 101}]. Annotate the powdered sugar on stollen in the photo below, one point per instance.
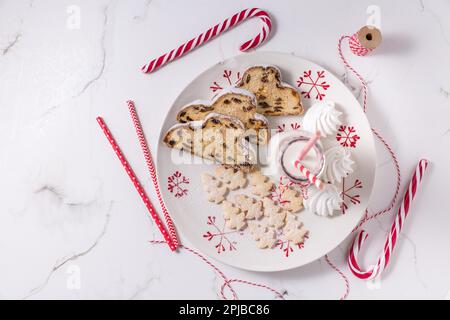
[{"x": 235, "y": 90}]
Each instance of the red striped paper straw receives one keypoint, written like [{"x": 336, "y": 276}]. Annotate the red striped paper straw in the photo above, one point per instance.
[
  {"x": 396, "y": 228},
  {"x": 151, "y": 168},
  {"x": 136, "y": 183},
  {"x": 311, "y": 142},
  {"x": 309, "y": 175}
]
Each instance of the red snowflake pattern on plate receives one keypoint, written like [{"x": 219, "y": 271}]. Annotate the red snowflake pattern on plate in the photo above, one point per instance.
[
  {"x": 315, "y": 86},
  {"x": 230, "y": 80},
  {"x": 347, "y": 136},
  {"x": 224, "y": 243},
  {"x": 294, "y": 126},
  {"x": 287, "y": 246},
  {"x": 176, "y": 184},
  {"x": 349, "y": 195}
]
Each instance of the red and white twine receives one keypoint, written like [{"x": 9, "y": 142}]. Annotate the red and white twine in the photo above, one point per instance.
[
  {"x": 360, "y": 50},
  {"x": 349, "y": 67},
  {"x": 356, "y": 47},
  {"x": 226, "y": 282},
  {"x": 213, "y": 32},
  {"x": 391, "y": 205}
]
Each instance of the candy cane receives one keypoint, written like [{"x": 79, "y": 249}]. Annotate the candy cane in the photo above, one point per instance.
[
  {"x": 396, "y": 228},
  {"x": 309, "y": 175},
  {"x": 214, "y": 31}
]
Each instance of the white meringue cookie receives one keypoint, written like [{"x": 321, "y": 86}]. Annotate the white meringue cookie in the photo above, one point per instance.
[
  {"x": 323, "y": 202},
  {"x": 338, "y": 164},
  {"x": 322, "y": 116}
]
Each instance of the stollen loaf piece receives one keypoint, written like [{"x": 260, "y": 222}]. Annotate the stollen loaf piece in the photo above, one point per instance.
[
  {"x": 274, "y": 97},
  {"x": 235, "y": 102},
  {"x": 218, "y": 137}
]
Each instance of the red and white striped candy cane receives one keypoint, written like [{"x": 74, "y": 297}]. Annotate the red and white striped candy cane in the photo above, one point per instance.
[
  {"x": 396, "y": 228},
  {"x": 309, "y": 175},
  {"x": 214, "y": 31}
]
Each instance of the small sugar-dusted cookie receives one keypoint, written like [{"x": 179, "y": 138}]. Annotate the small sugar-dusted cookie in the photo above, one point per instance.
[
  {"x": 261, "y": 185},
  {"x": 231, "y": 177},
  {"x": 209, "y": 182},
  {"x": 234, "y": 218},
  {"x": 236, "y": 221},
  {"x": 276, "y": 215},
  {"x": 270, "y": 207},
  {"x": 296, "y": 236},
  {"x": 264, "y": 236},
  {"x": 294, "y": 230},
  {"x": 292, "y": 222},
  {"x": 251, "y": 207},
  {"x": 243, "y": 201},
  {"x": 267, "y": 239},
  {"x": 277, "y": 220},
  {"x": 255, "y": 211},
  {"x": 292, "y": 200},
  {"x": 217, "y": 195},
  {"x": 214, "y": 189},
  {"x": 229, "y": 209},
  {"x": 256, "y": 229}
]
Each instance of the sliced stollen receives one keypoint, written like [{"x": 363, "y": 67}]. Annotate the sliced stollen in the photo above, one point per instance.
[
  {"x": 235, "y": 102},
  {"x": 274, "y": 97},
  {"x": 218, "y": 138}
]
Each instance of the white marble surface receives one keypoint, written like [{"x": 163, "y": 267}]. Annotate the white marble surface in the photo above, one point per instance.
[{"x": 66, "y": 206}]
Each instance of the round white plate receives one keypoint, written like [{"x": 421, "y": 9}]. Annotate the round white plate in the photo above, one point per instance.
[{"x": 201, "y": 222}]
